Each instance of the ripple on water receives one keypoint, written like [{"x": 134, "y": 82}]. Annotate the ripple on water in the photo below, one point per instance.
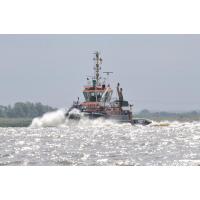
[{"x": 102, "y": 143}]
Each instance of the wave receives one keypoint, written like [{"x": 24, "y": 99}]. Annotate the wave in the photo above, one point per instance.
[
  {"x": 50, "y": 119},
  {"x": 58, "y": 119}
]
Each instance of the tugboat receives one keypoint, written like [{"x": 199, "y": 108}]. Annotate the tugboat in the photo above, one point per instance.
[{"x": 98, "y": 101}]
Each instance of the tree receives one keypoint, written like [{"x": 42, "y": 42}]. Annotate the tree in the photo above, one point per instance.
[{"x": 24, "y": 110}]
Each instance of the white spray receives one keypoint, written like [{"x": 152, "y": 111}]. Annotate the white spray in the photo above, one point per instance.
[
  {"x": 58, "y": 119},
  {"x": 55, "y": 118}
]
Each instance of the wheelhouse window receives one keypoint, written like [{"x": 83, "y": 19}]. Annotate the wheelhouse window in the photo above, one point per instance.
[{"x": 92, "y": 96}]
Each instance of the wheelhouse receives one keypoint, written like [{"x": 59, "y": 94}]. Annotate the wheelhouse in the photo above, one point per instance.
[{"x": 97, "y": 94}]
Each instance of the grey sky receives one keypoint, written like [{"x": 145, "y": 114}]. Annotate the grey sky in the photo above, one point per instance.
[{"x": 158, "y": 72}]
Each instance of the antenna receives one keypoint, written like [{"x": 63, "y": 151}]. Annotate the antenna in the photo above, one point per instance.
[
  {"x": 108, "y": 74},
  {"x": 97, "y": 68}
]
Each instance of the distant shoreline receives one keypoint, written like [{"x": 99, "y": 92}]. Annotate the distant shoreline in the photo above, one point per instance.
[
  {"x": 15, "y": 122},
  {"x": 22, "y": 114},
  {"x": 169, "y": 116},
  {"x": 26, "y": 122}
]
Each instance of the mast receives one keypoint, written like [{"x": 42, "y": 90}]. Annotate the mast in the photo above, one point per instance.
[{"x": 97, "y": 67}]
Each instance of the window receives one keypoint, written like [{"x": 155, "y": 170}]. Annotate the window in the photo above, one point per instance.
[{"x": 94, "y": 96}]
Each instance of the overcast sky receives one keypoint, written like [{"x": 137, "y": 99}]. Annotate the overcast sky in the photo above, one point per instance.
[{"x": 157, "y": 72}]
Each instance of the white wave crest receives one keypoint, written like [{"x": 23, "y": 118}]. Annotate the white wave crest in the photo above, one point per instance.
[{"x": 55, "y": 118}]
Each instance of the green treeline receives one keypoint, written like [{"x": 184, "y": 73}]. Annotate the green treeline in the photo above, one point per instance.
[
  {"x": 21, "y": 114},
  {"x": 24, "y": 110}
]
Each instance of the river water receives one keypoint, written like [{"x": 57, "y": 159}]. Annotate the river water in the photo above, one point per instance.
[{"x": 100, "y": 142}]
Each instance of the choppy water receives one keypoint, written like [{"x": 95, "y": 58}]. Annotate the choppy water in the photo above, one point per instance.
[{"x": 101, "y": 143}]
